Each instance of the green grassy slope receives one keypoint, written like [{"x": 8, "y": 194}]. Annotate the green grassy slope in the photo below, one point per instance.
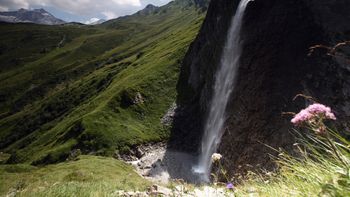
[
  {"x": 99, "y": 89},
  {"x": 89, "y": 176}
]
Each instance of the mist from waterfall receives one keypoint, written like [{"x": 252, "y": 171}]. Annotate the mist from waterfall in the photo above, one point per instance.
[{"x": 224, "y": 85}]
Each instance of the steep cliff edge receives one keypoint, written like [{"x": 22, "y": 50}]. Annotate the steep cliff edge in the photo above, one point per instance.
[{"x": 275, "y": 67}]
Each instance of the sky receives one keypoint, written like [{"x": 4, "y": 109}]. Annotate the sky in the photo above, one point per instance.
[{"x": 84, "y": 11}]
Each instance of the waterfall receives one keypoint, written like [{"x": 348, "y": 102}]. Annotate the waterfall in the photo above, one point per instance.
[{"x": 224, "y": 85}]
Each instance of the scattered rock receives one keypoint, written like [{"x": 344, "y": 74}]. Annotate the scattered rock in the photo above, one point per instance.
[
  {"x": 139, "y": 152},
  {"x": 157, "y": 190},
  {"x": 211, "y": 192},
  {"x": 179, "y": 190},
  {"x": 130, "y": 194},
  {"x": 148, "y": 161},
  {"x": 12, "y": 193},
  {"x": 129, "y": 157},
  {"x": 168, "y": 118},
  {"x": 131, "y": 97},
  {"x": 138, "y": 98},
  {"x": 74, "y": 155}
]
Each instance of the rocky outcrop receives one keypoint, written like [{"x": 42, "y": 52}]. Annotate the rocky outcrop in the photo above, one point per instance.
[
  {"x": 275, "y": 67},
  {"x": 149, "y": 9}
]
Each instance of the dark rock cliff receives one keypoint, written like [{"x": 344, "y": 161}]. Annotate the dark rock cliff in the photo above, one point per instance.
[{"x": 275, "y": 67}]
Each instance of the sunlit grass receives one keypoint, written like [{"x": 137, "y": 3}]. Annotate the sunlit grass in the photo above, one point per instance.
[
  {"x": 320, "y": 169},
  {"x": 89, "y": 176}
]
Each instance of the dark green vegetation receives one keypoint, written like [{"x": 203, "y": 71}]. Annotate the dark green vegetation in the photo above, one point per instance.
[{"x": 99, "y": 89}]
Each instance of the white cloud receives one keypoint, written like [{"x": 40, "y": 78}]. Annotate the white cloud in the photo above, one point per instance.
[
  {"x": 109, "y": 15},
  {"x": 128, "y": 2},
  {"x": 80, "y": 7},
  {"x": 3, "y": 9},
  {"x": 10, "y": 4},
  {"x": 92, "y": 20},
  {"x": 86, "y": 9}
]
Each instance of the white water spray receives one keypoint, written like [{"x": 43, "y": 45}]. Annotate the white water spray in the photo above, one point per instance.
[{"x": 224, "y": 85}]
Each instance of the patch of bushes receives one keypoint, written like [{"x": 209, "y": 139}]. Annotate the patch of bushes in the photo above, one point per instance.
[
  {"x": 16, "y": 157},
  {"x": 54, "y": 156}
]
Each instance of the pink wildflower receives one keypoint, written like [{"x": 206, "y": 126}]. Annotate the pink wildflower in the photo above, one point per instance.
[
  {"x": 312, "y": 112},
  {"x": 302, "y": 116}
]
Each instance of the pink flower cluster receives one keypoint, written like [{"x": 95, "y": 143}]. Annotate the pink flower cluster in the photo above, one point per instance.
[{"x": 313, "y": 111}]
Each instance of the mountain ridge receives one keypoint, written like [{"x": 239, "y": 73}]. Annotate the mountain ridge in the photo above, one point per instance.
[{"x": 37, "y": 16}]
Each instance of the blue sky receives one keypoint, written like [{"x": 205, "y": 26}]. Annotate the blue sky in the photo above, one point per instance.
[{"x": 82, "y": 10}]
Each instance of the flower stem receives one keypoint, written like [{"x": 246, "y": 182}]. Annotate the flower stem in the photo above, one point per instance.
[
  {"x": 222, "y": 171},
  {"x": 335, "y": 150}
]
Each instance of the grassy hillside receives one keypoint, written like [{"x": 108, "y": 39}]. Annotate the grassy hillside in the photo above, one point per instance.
[
  {"x": 84, "y": 177},
  {"x": 99, "y": 88}
]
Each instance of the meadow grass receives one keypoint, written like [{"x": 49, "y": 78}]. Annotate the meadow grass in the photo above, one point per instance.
[
  {"x": 321, "y": 168},
  {"x": 88, "y": 176}
]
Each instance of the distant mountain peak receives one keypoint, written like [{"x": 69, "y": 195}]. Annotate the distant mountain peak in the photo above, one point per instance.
[
  {"x": 38, "y": 16},
  {"x": 41, "y": 10},
  {"x": 150, "y": 6},
  {"x": 148, "y": 9}
]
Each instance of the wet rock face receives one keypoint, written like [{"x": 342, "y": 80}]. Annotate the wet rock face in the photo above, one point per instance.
[
  {"x": 196, "y": 77},
  {"x": 275, "y": 67}
]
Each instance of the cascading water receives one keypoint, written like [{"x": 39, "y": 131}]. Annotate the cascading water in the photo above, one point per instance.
[{"x": 224, "y": 84}]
